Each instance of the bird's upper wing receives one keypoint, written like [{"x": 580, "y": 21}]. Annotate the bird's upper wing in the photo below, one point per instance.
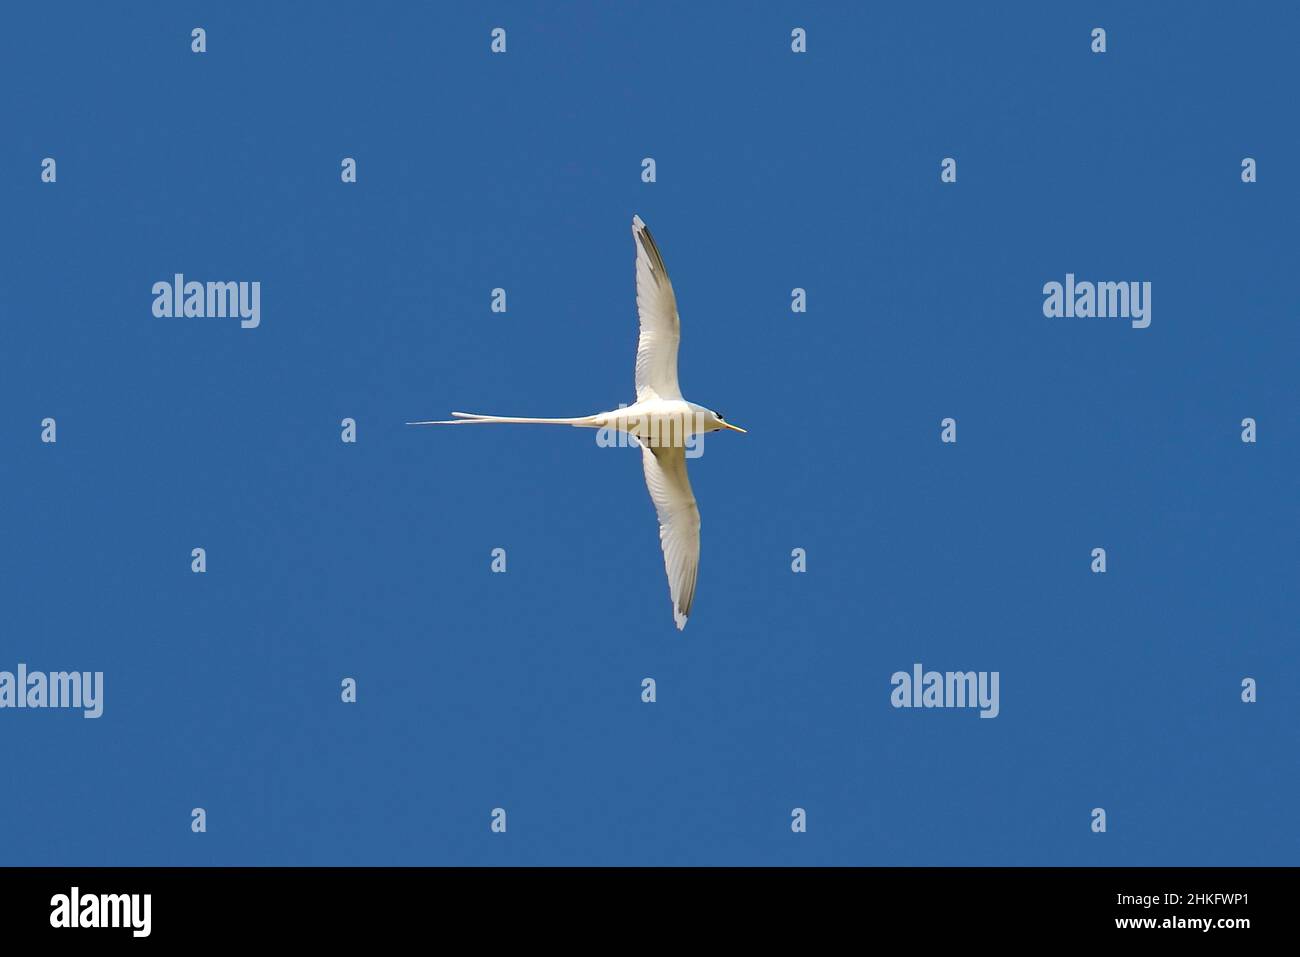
[
  {"x": 656, "y": 350},
  {"x": 679, "y": 523}
]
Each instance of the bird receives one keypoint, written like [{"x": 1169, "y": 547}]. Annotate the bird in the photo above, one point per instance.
[{"x": 661, "y": 422}]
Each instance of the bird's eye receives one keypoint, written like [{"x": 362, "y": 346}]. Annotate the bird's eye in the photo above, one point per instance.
[{"x": 718, "y": 416}]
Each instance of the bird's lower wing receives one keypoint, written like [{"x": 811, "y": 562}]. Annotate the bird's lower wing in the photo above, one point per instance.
[{"x": 679, "y": 523}]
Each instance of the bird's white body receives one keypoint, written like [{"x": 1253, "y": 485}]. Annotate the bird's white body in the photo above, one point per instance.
[
  {"x": 661, "y": 421},
  {"x": 662, "y": 418}
]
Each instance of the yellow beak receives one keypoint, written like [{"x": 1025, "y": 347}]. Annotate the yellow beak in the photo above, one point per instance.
[{"x": 734, "y": 428}]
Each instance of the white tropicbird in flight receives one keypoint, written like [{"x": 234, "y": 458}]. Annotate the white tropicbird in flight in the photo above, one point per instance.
[{"x": 660, "y": 422}]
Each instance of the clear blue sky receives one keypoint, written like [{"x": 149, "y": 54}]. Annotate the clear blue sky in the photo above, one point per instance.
[{"x": 522, "y": 690}]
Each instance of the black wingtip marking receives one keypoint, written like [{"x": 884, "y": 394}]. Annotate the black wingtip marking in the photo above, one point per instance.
[{"x": 652, "y": 250}]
